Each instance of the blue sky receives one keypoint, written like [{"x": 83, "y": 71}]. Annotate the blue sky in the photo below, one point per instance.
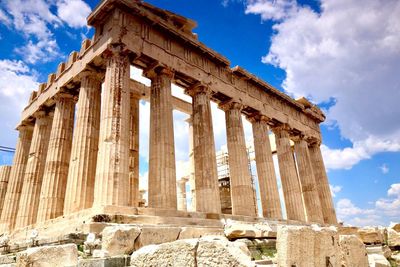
[{"x": 343, "y": 56}]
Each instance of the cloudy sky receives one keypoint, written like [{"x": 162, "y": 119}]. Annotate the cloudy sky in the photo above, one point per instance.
[{"x": 341, "y": 54}]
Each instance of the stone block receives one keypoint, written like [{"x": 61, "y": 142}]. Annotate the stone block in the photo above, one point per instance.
[
  {"x": 120, "y": 239},
  {"x": 295, "y": 245},
  {"x": 218, "y": 251},
  {"x": 393, "y": 238},
  {"x": 371, "y": 235},
  {"x": 197, "y": 232},
  {"x": 234, "y": 230},
  {"x": 352, "y": 251},
  {"x": 156, "y": 235},
  {"x": 118, "y": 261},
  {"x": 382, "y": 250},
  {"x": 377, "y": 260},
  {"x": 326, "y": 246},
  {"x": 7, "y": 259},
  {"x": 63, "y": 255},
  {"x": 177, "y": 253}
]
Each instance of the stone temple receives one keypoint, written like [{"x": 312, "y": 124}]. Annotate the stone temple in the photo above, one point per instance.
[{"x": 81, "y": 177}]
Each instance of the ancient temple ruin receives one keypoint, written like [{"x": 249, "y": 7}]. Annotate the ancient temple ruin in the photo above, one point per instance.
[{"x": 65, "y": 172}]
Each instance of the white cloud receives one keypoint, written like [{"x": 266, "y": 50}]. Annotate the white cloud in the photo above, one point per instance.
[
  {"x": 271, "y": 10},
  {"x": 4, "y": 18},
  {"x": 394, "y": 190},
  {"x": 384, "y": 210},
  {"x": 344, "y": 56},
  {"x": 73, "y": 12},
  {"x": 16, "y": 83},
  {"x": 35, "y": 20},
  {"x": 335, "y": 189},
  {"x": 42, "y": 51},
  {"x": 384, "y": 168}
]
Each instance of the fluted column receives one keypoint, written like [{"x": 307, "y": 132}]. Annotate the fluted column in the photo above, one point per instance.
[
  {"x": 13, "y": 195},
  {"x": 325, "y": 196},
  {"x": 181, "y": 193},
  {"x": 82, "y": 166},
  {"x": 205, "y": 163},
  {"x": 162, "y": 173},
  {"x": 309, "y": 188},
  {"x": 28, "y": 206},
  {"x": 134, "y": 151},
  {"x": 192, "y": 183},
  {"x": 287, "y": 168},
  {"x": 242, "y": 192},
  {"x": 51, "y": 203},
  {"x": 4, "y": 177},
  {"x": 112, "y": 171},
  {"x": 271, "y": 205}
]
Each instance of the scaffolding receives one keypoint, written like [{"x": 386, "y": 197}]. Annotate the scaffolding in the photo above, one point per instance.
[{"x": 224, "y": 178}]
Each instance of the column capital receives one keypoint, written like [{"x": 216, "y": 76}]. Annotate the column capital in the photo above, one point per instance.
[
  {"x": 65, "y": 97},
  {"x": 189, "y": 120},
  {"x": 158, "y": 69},
  {"x": 229, "y": 105},
  {"x": 257, "y": 117},
  {"x": 282, "y": 127},
  {"x": 25, "y": 126},
  {"x": 116, "y": 50},
  {"x": 313, "y": 141},
  {"x": 198, "y": 88},
  {"x": 41, "y": 113},
  {"x": 92, "y": 74},
  {"x": 297, "y": 137}
]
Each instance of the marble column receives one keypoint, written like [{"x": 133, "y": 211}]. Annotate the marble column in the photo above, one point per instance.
[
  {"x": 181, "y": 194},
  {"x": 162, "y": 173},
  {"x": 134, "y": 150},
  {"x": 28, "y": 206},
  {"x": 51, "y": 203},
  {"x": 112, "y": 171},
  {"x": 325, "y": 196},
  {"x": 205, "y": 163},
  {"x": 270, "y": 202},
  {"x": 307, "y": 179},
  {"x": 192, "y": 183},
  {"x": 13, "y": 195},
  {"x": 242, "y": 191},
  {"x": 82, "y": 165},
  {"x": 287, "y": 168},
  {"x": 4, "y": 177}
]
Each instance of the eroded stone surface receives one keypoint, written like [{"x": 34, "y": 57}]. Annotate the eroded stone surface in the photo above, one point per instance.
[
  {"x": 218, "y": 251},
  {"x": 352, "y": 251},
  {"x": 48, "y": 256},
  {"x": 119, "y": 240},
  {"x": 177, "y": 253},
  {"x": 155, "y": 235},
  {"x": 371, "y": 235}
]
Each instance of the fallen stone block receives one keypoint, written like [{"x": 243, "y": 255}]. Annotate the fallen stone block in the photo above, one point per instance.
[
  {"x": 64, "y": 255},
  {"x": 177, "y": 253},
  {"x": 218, "y": 251},
  {"x": 371, "y": 235},
  {"x": 118, "y": 261},
  {"x": 326, "y": 246},
  {"x": 234, "y": 230},
  {"x": 197, "y": 232},
  {"x": 156, "y": 235},
  {"x": 393, "y": 238},
  {"x": 352, "y": 251},
  {"x": 378, "y": 260},
  {"x": 295, "y": 246},
  {"x": 119, "y": 240}
]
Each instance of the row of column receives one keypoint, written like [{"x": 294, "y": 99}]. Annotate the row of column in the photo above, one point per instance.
[{"x": 59, "y": 169}]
